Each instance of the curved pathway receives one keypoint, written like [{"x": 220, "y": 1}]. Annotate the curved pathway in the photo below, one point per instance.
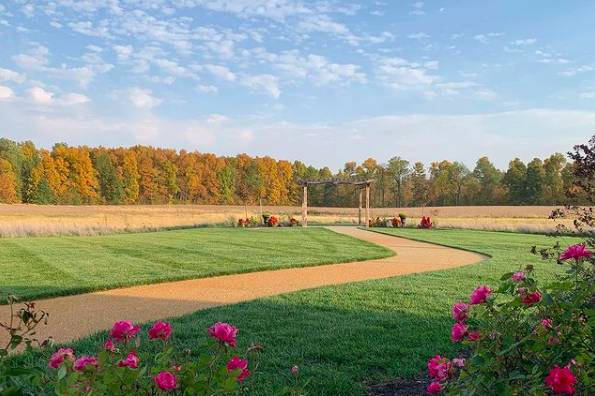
[{"x": 73, "y": 317}]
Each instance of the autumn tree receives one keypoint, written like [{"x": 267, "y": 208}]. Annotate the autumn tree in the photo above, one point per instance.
[
  {"x": 8, "y": 183},
  {"x": 534, "y": 184},
  {"x": 515, "y": 179},
  {"x": 489, "y": 182},
  {"x": 399, "y": 169}
]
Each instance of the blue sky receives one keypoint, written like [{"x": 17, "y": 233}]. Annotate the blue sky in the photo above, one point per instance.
[{"x": 321, "y": 81}]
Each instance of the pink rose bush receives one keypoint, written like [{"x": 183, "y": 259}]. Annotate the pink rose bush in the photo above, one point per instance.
[
  {"x": 524, "y": 338},
  {"x": 121, "y": 368}
]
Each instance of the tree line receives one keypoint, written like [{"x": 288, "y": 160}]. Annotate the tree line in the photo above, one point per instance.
[{"x": 149, "y": 175}]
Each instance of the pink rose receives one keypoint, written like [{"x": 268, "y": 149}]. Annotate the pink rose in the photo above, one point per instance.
[
  {"x": 108, "y": 345},
  {"x": 459, "y": 362},
  {"x": 236, "y": 363},
  {"x": 561, "y": 380},
  {"x": 553, "y": 341},
  {"x": 547, "y": 323},
  {"x": 131, "y": 361},
  {"x": 160, "y": 330},
  {"x": 60, "y": 356},
  {"x": 295, "y": 370},
  {"x": 529, "y": 298},
  {"x": 85, "y": 361},
  {"x": 474, "y": 336},
  {"x": 434, "y": 388},
  {"x": 165, "y": 381},
  {"x": 439, "y": 368},
  {"x": 224, "y": 332},
  {"x": 518, "y": 276},
  {"x": 576, "y": 252},
  {"x": 458, "y": 331},
  {"x": 480, "y": 295},
  {"x": 124, "y": 331},
  {"x": 460, "y": 311}
]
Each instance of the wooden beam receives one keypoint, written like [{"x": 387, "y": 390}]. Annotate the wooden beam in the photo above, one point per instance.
[
  {"x": 359, "y": 211},
  {"x": 335, "y": 182},
  {"x": 305, "y": 206},
  {"x": 367, "y": 205}
]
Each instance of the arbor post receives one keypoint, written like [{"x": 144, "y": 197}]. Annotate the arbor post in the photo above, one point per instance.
[
  {"x": 305, "y": 206},
  {"x": 359, "y": 210},
  {"x": 367, "y": 205}
]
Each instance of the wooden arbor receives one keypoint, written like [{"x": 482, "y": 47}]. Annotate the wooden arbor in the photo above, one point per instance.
[{"x": 363, "y": 186}]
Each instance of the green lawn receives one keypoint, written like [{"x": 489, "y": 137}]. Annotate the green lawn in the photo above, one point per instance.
[
  {"x": 39, "y": 267},
  {"x": 346, "y": 336}
]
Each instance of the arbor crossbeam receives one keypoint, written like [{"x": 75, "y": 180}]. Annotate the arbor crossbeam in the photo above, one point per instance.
[{"x": 363, "y": 185}]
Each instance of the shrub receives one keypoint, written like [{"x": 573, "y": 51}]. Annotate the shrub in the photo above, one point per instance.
[
  {"x": 272, "y": 221},
  {"x": 524, "y": 338},
  {"x": 426, "y": 222},
  {"x": 119, "y": 369},
  {"x": 20, "y": 328},
  {"x": 395, "y": 222}
]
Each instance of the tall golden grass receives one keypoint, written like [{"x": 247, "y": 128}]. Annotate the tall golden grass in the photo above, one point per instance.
[{"x": 39, "y": 220}]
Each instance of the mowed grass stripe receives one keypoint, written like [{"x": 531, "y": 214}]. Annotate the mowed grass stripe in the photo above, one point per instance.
[{"x": 49, "y": 266}]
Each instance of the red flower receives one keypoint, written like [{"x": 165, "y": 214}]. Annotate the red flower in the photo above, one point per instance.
[
  {"x": 460, "y": 312},
  {"x": 165, "y": 381},
  {"x": 474, "y": 336},
  {"x": 561, "y": 380},
  {"x": 576, "y": 252},
  {"x": 439, "y": 368},
  {"x": 434, "y": 388},
  {"x": 480, "y": 295},
  {"x": 224, "y": 332},
  {"x": 160, "y": 330},
  {"x": 529, "y": 298},
  {"x": 131, "y": 361},
  {"x": 83, "y": 362},
  {"x": 458, "y": 331},
  {"x": 236, "y": 363},
  {"x": 124, "y": 330}
]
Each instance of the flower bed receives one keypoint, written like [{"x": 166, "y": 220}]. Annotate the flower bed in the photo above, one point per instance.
[{"x": 524, "y": 338}]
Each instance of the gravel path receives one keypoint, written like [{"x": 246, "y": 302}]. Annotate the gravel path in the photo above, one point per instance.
[{"x": 73, "y": 317}]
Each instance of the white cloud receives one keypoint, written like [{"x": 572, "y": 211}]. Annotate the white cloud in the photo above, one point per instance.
[
  {"x": 588, "y": 95},
  {"x": 419, "y": 36},
  {"x": 266, "y": 82},
  {"x": 71, "y": 99},
  {"x": 485, "y": 38},
  {"x": 207, "y": 88},
  {"x": 524, "y": 42},
  {"x": 34, "y": 59},
  {"x": 142, "y": 98},
  {"x": 41, "y": 96},
  {"x": 123, "y": 51},
  {"x": 576, "y": 70},
  {"x": 316, "y": 68},
  {"x": 401, "y": 74},
  {"x": 417, "y": 8},
  {"x": 221, "y": 72},
  {"x": 11, "y": 75},
  {"x": 5, "y": 93},
  {"x": 217, "y": 119}
]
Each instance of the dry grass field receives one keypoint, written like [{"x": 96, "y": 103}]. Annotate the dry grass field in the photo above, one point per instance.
[{"x": 34, "y": 220}]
